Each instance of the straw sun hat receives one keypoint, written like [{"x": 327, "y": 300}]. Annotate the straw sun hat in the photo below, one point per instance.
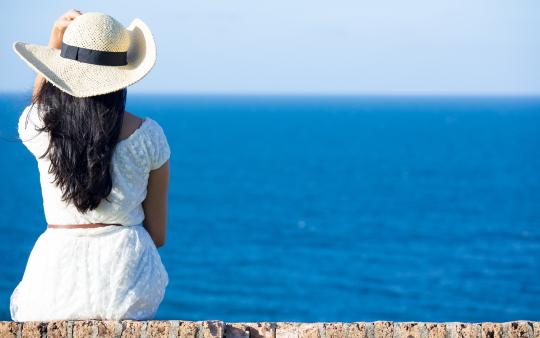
[{"x": 98, "y": 55}]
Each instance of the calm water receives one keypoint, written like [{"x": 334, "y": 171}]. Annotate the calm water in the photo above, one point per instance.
[{"x": 328, "y": 208}]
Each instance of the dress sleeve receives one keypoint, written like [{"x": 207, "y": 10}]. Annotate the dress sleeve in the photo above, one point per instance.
[
  {"x": 160, "y": 151},
  {"x": 35, "y": 141}
]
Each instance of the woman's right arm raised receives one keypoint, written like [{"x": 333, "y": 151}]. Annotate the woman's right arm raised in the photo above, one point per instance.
[{"x": 55, "y": 40}]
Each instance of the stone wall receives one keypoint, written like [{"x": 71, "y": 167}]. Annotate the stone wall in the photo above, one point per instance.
[{"x": 220, "y": 329}]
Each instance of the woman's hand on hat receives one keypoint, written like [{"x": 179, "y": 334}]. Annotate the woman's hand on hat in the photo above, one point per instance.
[
  {"x": 55, "y": 41},
  {"x": 59, "y": 27}
]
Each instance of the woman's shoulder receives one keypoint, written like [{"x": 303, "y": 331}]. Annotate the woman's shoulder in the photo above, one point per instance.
[
  {"x": 130, "y": 124},
  {"x": 144, "y": 134},
  {"x": 136, "y": 127}
]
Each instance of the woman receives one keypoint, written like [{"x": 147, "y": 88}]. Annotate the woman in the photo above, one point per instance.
[{"x": 104, "y": 175}]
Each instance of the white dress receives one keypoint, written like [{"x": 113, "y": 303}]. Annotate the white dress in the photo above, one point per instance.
[{"x": 108, "y": 273}]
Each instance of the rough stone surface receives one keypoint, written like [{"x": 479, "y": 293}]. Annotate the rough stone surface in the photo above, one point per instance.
[
  {"x": 33, "y": 329},
  {"x": 9, "y": 329},
  {"x": 409, "y": 330},
  {"x": 492, "y": 330},
  {"x": 57, "y": 329},
  {"x": 187, "y": 329},
  {"x": 467, "y": 330},
  {"x": 536, "y": 330},
  {"x": 131, "y": 329},
  {"x": 309, "y": 330},
  {"x": 260, "y": 329},
  {"x": 106, "y": 329},
  {"x": 83, "y": 328},
  {"x": 212, "y": 329},
  {"x": 520, "y": 329},
  {"x": 236, "y": 330},
  {"x": 286, "y": 330},
  {"x": 335, "y": 330},
  {"x": 357, "y": 330},
  {"x": 220, "y": 329},
  {"x": 382, "y": 329},
  {"x": 158, "y": 328},
  {"x": 436, "y": 330}
]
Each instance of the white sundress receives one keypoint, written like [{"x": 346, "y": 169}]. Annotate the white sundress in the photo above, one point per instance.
[{"x": 107, "y": 273}]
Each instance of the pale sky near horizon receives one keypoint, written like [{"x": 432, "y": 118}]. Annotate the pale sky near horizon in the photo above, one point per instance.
[{"x": 418, "y": 47}]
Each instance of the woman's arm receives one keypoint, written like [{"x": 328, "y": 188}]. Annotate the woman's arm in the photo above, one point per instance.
[
  {"x": 55, "y": 40},
  {"x": 155, "y": 204}
]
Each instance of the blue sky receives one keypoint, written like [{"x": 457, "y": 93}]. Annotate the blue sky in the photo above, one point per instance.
[{"x": 434, "y": 47}]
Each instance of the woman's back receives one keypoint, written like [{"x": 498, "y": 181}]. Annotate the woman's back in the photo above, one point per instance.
[{"x": 144, "y": 150}]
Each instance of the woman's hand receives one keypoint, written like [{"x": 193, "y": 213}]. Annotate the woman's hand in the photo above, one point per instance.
[
  {"x": 55, "y": 41},
  {"x": 59, "y": 27}
]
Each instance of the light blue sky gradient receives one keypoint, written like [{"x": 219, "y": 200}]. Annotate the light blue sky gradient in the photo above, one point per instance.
[{"x": 434, "y": 47}]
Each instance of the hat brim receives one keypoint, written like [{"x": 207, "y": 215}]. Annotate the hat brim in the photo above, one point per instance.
[{"x": 81, "y": 79}]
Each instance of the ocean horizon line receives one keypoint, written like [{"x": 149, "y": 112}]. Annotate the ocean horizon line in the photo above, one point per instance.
[{"x": 310, "y": 95}]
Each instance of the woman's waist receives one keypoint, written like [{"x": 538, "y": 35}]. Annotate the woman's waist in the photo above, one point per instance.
[
  {"x": 91, "y": 229},
  {"x": 82, "y": 225},
  {"x": 115, "y": 217}
]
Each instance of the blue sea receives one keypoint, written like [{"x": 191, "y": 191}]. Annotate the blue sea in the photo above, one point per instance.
[{"x": 328, "y": 208}]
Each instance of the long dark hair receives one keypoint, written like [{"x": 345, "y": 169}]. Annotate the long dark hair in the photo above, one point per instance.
[{"x": 83, "y": 134}]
